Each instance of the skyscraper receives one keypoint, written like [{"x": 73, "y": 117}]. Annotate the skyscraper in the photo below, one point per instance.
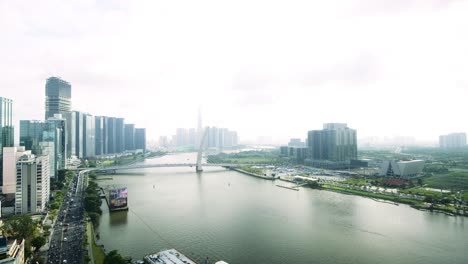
[
  {"x": 58, "y": 101},
  {"x": 57, "y": 132},
  {"x": 31, "y": 132},
  {"x": 119, "y": 135},
  {"x": 76, "y": 134},
  {"x": 89, "y": 140},
  {"x": 6, "y": 129},
  {"x": 47, "y": 138},
  {"x": 140, "y": 138},
  {"x": 100, "y": 136},
  {"x": 129, "y": 137},
  {"x": 111, "y": 135},
  {"x": 58, "y": 97},
  {"x": 336, "y": 143}
]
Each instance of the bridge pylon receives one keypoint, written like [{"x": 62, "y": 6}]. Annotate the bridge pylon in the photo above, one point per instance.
[{"x": 198, "y": 166}]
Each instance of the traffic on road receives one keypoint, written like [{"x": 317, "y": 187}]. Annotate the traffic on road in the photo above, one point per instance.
[{"x": 66, "y": 244}]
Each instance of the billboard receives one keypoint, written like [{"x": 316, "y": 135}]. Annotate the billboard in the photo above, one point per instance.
[{"x": 118, "y": 198}]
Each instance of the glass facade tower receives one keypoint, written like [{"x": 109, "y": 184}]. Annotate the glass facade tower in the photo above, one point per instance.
[{"x": 6, "y": 129}]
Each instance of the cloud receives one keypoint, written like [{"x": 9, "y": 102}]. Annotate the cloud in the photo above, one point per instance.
[{"x": 154, "y": 62}]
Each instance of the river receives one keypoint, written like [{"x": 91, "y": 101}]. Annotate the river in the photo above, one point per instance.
[{"x": 227, "y": 215}]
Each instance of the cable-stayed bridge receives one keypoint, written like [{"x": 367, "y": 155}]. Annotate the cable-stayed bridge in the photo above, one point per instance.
[{"x": 113, "y": 169}]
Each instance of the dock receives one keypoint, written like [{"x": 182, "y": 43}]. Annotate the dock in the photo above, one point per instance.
[
  {"x": 253, "y": 174},
  {"x": 288, "y": 187}
]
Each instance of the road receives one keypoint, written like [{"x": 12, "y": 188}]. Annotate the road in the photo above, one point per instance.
[{"x": 66, "y": 245}]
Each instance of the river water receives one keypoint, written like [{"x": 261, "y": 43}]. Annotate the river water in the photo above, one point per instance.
[{"x": 242, "y": 219}]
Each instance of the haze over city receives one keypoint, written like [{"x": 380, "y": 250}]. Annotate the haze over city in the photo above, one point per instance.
[{"x": 264, "y": 68}]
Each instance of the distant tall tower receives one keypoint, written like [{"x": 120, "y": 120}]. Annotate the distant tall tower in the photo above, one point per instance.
[
  {"x": 6, "y": 129},
  {"x": 58, "y": 101},
  {"x": 199, "y": 127},
  {"x": 58, "y": 97}
]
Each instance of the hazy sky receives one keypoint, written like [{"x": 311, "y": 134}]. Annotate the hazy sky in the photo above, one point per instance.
[{"x": 278, "y": 68}]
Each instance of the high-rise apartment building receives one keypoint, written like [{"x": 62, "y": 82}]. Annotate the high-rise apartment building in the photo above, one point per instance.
[
  {"x": 140, "y": 138},
  {"x": 89, "y": 140},
  {"x": 6, "y": 129},
  {"x": 58, "y": 97},
  {"x": 119, "y": 135},
  {"x": 76, "y": 134},
  {"x": 182, "y": 137},
  {"x": 111, "y": 135},
  {"x": 32, "y": 184},
  {"x": 452, "y": 141},
  {"x": 192, "y": 137},
  {"x": 100, "y": 135},
  {"x": 220, "y": 138},
  {"x": 129, "y": 137},
  {"x": 336, "y": 142}
]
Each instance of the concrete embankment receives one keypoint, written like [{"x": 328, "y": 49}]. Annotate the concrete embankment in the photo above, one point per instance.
[{"x": 253, "y": 174}]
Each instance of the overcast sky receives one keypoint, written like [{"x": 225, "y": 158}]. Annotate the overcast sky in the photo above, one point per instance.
[{"x": 264, "y": 68}]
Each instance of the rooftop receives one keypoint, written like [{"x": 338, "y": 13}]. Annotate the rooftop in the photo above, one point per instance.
[{"x": 170, "y": 256}]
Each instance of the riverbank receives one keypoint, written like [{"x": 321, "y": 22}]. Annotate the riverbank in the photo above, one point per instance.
[
  {"x": 97, "y": 253},
  {"x": 420, "y": 205},
  {"x": 252, "y": 174},
  {"x": 130, "y": 159}
]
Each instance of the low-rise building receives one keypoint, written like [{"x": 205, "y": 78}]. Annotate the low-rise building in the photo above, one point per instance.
[
  {"x": 402, "y": 169},
  {"x": 11, "y": 251}
]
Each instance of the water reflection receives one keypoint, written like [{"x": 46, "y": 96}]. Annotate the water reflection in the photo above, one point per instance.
[{"x": 118, "y": 218}]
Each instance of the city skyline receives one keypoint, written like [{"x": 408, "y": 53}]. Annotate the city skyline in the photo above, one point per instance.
[{"x": 260, "y": 68}]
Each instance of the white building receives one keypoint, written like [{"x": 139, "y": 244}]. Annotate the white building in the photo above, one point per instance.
[
  {"x": 403, "y": 169},
  {"x": 10, "y": 156},
  {"x": 32, "y": 184},
  {"x": 48, "y": 148}
]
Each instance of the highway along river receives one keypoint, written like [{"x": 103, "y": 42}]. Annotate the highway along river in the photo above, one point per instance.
[{"x": 227, "y": 215}]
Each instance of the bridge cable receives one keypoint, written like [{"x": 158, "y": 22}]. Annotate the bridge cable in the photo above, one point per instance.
[{"x": 160, "y": 236}]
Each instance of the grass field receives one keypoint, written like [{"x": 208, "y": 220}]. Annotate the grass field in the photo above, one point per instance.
[
  {"x": 98, "y": 253},
  {"x": 449, "y": 181},
  {"x": 373, "y": 195}
]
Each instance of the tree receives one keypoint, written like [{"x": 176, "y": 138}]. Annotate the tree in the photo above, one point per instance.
[
  {"x": 19, "y": 227},
  {"x": 61, "y": 175},
  {"x": 38, "y": 242},
  {"x": 94, "y": 218},
  {"x": 114, "y": 257},
  {"x": 38, "y": 259}
]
